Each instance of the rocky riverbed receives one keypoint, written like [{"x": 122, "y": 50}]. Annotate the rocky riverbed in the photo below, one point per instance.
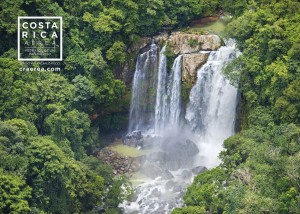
[{"x": 159, "y": 176}]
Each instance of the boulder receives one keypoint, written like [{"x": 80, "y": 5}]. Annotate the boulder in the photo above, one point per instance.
[
  {"x": 134, "y": 139},
  {"x": 179, "y": 147},
  {"x": 135, "y": 135},
  {"x": 153, "y": 171},
  {"x": 199, "y": 169},
  {"x": 179, "y": 153}
]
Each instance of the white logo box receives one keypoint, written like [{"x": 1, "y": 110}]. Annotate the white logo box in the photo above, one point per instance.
[{"x": 61, "y": 38}]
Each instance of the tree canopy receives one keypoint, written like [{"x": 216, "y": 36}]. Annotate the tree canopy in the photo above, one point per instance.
[{"x": 258, "y": 173}]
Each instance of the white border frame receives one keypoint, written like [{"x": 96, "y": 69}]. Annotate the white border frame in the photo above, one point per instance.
[{"x": 61, "y": 38}]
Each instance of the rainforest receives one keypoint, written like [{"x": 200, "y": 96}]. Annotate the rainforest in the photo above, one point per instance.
[{"x": 158, "y": 106}]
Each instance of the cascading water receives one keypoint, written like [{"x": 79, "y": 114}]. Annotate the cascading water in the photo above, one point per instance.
[
  {"x": 167, "y": 108},
  {"x": 160, "y": 105},
  {"x": 142, "y": 90},
  {"x": 211, "y": 110},
  {"x": 174, "y": 92},
  {"x": 208, "y": 121}
]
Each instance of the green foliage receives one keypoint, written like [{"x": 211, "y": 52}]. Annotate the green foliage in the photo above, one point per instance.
[
  {"x": 267, "y": 41},
  {"x": 72, "y": 126},
  {"x": 181, "y": 11},
  {"x": 45, "y": 123},
  {"x": 185, "y": 91},
  {"x": 232, "y": 71},
  {"x": 84, "y": 93},
  {"x": 100, "y": 168},
  {"x": 116, "y": 54},
  {"x": 288, "y": 105},
  {"x": 189, "y": 209},
  {"x": 11, "y": 91},
  {"x": 37, "y": 175},
  {"x": 170, "y": 57},
  {"x": 258, "y": 172},
  {"x": 97, "y": 65},
  {"x": 203, "y": 190},
  {"x": 193, "y": 42},
  {"x": 260, "y": 163},
  {"x": 121, "y": 189},
  {"x": 13, "y": 140},
  {"x": 60, "y": 184},
  {"x": 14, "y": 194},
  {"x": 113, "y": 122},
  {"x": 110, "y": 93},
  {"x": 235, "y": 8}
]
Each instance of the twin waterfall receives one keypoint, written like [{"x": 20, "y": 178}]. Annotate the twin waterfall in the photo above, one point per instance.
[
  {"x": 167, "y": 106},
  {"x": 186, "y": 137},
  {"x": 167, "y": 95}
]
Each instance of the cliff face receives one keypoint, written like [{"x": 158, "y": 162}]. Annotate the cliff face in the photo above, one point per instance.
[
  {"x": 190, "y": 64},
  {"x": 184, "y": 43},
  {"x": 193, "y": 47}
]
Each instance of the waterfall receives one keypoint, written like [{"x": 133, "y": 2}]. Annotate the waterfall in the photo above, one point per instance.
[
  {"x": 151, "y": 73},
  {"x": 183, "y": 142},
  {"x": 211, "y": 109},
  {"x": 167, "y": 108},
  {"x": 144, "y": 82},
  {"x": 174, "y": 92},
  {"x": 160, "y": 105}
]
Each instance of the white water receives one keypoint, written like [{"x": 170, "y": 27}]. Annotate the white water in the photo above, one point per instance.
[
  {"x": 211, "y": 110},
  {"x": 174, "y": 92},
  {"x": 209, "y": 120},
  {"x": 143, "y": 82},
  {"x": 160, "y": 105},
  {"x": 167, "y": 108}
]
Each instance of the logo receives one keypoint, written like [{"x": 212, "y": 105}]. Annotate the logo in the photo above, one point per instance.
[{"x": 40, "y": 38}]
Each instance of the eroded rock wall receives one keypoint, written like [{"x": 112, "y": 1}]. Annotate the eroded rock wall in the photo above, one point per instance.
[{"x": 194, "y": 48}]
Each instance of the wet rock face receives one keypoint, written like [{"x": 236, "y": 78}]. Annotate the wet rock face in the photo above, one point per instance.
[
  {"x": 190, "y": 65},
  {"x": 188, "y": 44},
  {"x": 161, "y": 39},
  {"x": 191, "y": 46}
]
